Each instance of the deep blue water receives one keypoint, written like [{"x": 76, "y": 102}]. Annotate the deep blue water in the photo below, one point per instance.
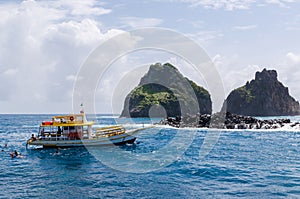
[{"x": 251, "y": 164}]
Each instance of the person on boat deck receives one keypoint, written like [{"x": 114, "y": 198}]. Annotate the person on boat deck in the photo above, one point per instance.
[
  {"x": 33, "y": 137},
  {"x": 43, "y": 132},
  {"x": 59, "y": 131}
]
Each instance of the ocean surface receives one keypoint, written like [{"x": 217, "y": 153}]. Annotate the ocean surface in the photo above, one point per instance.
[{"x": 164, "y": 162}]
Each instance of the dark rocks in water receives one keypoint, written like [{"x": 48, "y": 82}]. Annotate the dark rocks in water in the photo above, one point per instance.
[
  {"x": 226, "y": 121},
  {"x": 164, "y": 92},
  {"x": 264, "y": 96}
]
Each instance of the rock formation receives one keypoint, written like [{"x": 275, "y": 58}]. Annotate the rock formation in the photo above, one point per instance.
[
  {"x": 264, "y": 96},
  {"x": 165, "y": 92},
  {"x": 228, "y": 121}
]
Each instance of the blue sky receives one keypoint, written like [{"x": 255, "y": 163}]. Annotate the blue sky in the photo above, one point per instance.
[{"x": 44, "y": 43}]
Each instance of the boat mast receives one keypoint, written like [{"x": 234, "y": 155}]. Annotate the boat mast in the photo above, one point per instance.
[
  {"x": 89, "y": 130},
  {"x": 82, "y": 112}
]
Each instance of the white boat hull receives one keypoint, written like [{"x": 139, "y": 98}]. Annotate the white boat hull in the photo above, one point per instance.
[{"x": 85, "y": 142}]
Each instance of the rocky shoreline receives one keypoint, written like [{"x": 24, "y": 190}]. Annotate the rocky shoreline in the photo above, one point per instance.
[{"x": 228, "y": 121}]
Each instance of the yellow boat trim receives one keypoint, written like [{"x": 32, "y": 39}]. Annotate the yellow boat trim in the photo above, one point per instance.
[{"x": 68, "y": 124}]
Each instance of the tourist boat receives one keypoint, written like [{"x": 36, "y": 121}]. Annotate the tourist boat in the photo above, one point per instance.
[{"x": 75, "y": 131}]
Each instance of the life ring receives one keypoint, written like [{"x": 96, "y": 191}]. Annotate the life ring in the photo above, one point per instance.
[{"x": 71, "y": 118}]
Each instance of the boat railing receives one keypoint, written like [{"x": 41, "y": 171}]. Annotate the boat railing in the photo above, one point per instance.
[
  {"x": 109, "y": 131},
  {"x": 53, "y": 136}
]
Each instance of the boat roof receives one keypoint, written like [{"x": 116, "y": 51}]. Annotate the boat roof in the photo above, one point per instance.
[
  {"x": 68, "y": 124},
  {"x": 68, "y": 120}
]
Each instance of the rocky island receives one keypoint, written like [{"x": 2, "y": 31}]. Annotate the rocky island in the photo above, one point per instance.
[
  {"x": 263, "y": 96},
  {"x": 164, "y": 92},
  {"x": 228, "y": 120},
  {"x": 159, "y": 91}
]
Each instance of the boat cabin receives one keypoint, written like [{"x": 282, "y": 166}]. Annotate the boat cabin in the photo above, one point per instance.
[{"x": 68, "y": 127}]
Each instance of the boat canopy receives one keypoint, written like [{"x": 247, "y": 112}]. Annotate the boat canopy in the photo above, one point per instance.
[{"x": 68, "y": 120}]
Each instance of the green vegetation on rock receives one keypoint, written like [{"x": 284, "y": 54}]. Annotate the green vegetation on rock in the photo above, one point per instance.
[
  {"x": 152, "y": 94},
  {"x": 164, "y": 85},
  {"x": 263, "y": 96},
  {"x": 245, "y": 94}
]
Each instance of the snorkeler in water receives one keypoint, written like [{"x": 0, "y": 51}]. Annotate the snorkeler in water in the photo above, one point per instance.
[
  {"x": 16, "y": 154},
  {"x": 12, "y": 155}
]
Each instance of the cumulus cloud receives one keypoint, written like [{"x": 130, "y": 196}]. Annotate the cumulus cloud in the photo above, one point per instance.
[{"x": 41, "y": 44}]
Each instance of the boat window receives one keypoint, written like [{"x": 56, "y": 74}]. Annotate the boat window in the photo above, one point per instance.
[{"x": 69, "y": 128}]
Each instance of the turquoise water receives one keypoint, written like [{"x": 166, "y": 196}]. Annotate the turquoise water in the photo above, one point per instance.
[{"x": 251, "y": 164}]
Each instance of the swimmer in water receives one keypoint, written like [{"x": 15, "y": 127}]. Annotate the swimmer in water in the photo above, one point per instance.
[
  {"x": 12, "y": 155},
  {"x": 16, "y": 154},
  {"x": 5, "y": 146}
]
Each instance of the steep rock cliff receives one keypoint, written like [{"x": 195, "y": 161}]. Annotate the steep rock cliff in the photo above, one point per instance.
[
  {"x": 164, "y": 91},
  {"x": 263, "y": 96}
]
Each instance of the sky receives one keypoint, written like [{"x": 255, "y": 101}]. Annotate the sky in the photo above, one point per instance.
[{"x": 43, "y": 45}]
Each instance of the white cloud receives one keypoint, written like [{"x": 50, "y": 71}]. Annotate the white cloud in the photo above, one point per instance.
[
  {"x": 86, "y": 7},
  {"x": 234, "y": 73},
  {"x": 218, "y": 4},
  {"x": 281, "y": 3},
  {"x": 136, "y": 22},
  {"x": 40, "y": 46},
  {"x": 295, "y": 58},
  {"x": 249, "y": 27},
  {"x": 71, "y": 77},
  {"x": 232, "y": 4},
  {"x": 84, "y": 32},
  {"x": 204, "y": 37},
  {"x": 10, "y": 71},
  {"x": 289, "y": 73},
  {"x": 77, "y": 7}
]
